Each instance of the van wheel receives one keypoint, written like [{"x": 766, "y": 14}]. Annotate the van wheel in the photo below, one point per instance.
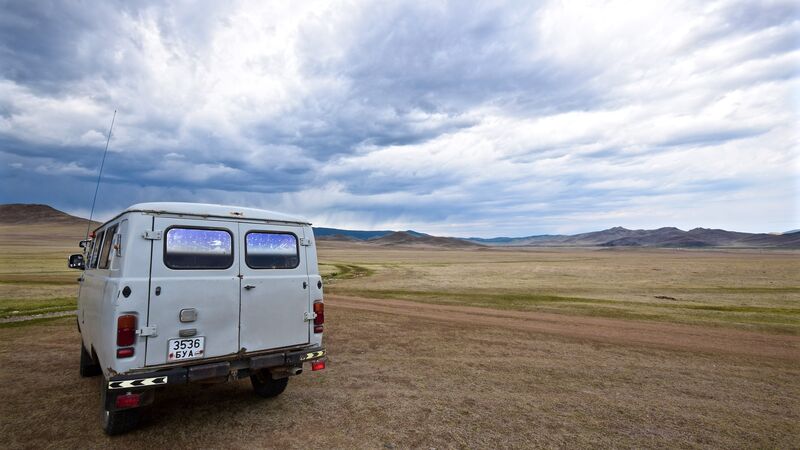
[
  {"x": 267, "y": 387},
  {"x": 117, "y": 422},
  {"x": 89, "y": 368}
]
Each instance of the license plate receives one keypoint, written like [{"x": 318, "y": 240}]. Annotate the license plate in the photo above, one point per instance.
[{"x": 182, "y": 349}]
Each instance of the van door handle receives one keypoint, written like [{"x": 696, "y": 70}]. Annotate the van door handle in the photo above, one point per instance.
[{"x": 249, "y": 286}]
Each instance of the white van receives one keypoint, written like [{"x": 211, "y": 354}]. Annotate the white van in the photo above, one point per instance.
[{"x": 173, "y": 293}]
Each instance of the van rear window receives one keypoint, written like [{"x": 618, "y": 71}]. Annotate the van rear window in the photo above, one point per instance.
[
  {"x": 198, "y": 248},
  {"x": 264, "y": 250}
]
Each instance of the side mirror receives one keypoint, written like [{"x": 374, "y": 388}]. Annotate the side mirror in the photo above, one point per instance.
[
  {"x": 84, "y": 243},
  {"x": 76, "y": 261}
]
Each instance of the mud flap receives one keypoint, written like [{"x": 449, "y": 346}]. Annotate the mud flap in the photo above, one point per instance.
[{"x": 146, "y": 397}]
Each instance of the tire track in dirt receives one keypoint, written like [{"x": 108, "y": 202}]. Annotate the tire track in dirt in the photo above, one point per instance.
[{"x": 669, "y": 336}]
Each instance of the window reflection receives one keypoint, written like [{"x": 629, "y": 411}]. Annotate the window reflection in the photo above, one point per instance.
[
  {"x": 197, "y": 248},
  {"x": 271, "y": 250}
]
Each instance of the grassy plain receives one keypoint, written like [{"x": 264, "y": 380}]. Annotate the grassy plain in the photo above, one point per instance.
[
  {"x": 34, "y": 277},
  {"x": 414, "y": 376},
  {"x": 746, "y": 289},
  {"x": 395, "y": 381}
]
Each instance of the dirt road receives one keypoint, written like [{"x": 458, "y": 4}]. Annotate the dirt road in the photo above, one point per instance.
[
  {"x": 629, "y": 332},
  {"x": 421, "y": 376}
]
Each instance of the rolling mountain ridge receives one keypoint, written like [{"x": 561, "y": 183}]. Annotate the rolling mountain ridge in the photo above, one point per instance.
[
  {"x": 406, "y": 239},
  {"x": 320, "y": 232},
  {"x": 668, "y": 237}
]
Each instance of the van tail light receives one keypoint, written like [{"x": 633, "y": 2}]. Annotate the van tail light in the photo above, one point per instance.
[
  {"x": 319, "y": 319},
  {"x": 126, "y": 352},
  {"x": 127, "y": 401},
  {"x": 317, "y": 365},
  {"x": 126, "y": 330}
]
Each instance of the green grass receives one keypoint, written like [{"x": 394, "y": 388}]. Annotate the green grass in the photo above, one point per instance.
[
  {"x": 511, "y": 299},
  {"x": 746, "y": 289},
  {"x": 771, "y": 319},
  {"x": 27, "y": 307},
  {"x": 37, "y": 321},
  {"x": 44, "y": 279},
  {"x": 345, "y": 272}
]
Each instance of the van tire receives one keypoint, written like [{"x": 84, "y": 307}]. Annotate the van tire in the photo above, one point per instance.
[
  {"x": 265, "y": 386},
  {"x": 117, "y": 422},
  {"x": 89, "y": 368}
]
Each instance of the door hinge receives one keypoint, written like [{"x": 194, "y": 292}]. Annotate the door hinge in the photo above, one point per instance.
[
  {"x": 305, "y": 242},
  {"x": 147, "y": 331},
  {"x": 153, "y": 235},
  {"x": 309, "y": 316}
]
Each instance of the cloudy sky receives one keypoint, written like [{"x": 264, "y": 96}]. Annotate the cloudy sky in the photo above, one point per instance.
[{"x": 452, "y": 118}]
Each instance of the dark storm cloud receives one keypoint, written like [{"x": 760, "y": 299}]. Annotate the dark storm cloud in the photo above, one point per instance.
[
  {"x": 46, "y": 45},
  {"x": 434, "y": 115}
]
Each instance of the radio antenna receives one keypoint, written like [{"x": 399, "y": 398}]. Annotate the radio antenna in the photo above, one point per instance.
[{"x": 100, "y": 174}]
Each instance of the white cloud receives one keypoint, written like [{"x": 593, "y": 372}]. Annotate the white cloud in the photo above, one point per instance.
[
  {"x": 55, "y": 168},
  {"x": 501, "y": 119}
]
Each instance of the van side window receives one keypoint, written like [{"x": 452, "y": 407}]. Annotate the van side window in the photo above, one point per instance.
[
  {"x": 265, "y": 250},
  {"x": 96, "y": 243},
  {"x": 105, "y": 254},
  {"x": 198, "y": 248}
]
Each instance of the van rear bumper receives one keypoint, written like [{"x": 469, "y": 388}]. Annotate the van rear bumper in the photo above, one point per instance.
[{"x": 234, "y": 368}]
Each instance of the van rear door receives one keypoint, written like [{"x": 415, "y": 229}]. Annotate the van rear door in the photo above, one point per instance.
[
  {"x": 275, "y": 291},
  {"x": 194, "y": 290}
]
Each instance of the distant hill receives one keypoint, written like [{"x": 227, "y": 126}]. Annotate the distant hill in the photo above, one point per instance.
[
  {"x": 666, "y": 237},
  {"x": 338, "y": 237},
  {"x": 32, "y": 214},
  {"x": 669, "y": 237},
  {"x": 515, "y": 241},
  {"x": 325, "y": 233},
  {"x": 791, "y": 240},
  {"x": 386, "y": 238},
  {"x": 406, "y": 239}
]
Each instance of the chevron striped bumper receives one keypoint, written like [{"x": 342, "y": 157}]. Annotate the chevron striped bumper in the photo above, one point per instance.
[
  {"x": 139, "y": 382},
  {"x": 240, "y": 367}
]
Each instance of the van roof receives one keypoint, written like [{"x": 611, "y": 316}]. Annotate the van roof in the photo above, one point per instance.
[{"x": 210, "y": 210}]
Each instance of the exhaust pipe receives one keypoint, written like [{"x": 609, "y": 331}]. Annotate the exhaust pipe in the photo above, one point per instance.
[{"x": 283, "y": 372}]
